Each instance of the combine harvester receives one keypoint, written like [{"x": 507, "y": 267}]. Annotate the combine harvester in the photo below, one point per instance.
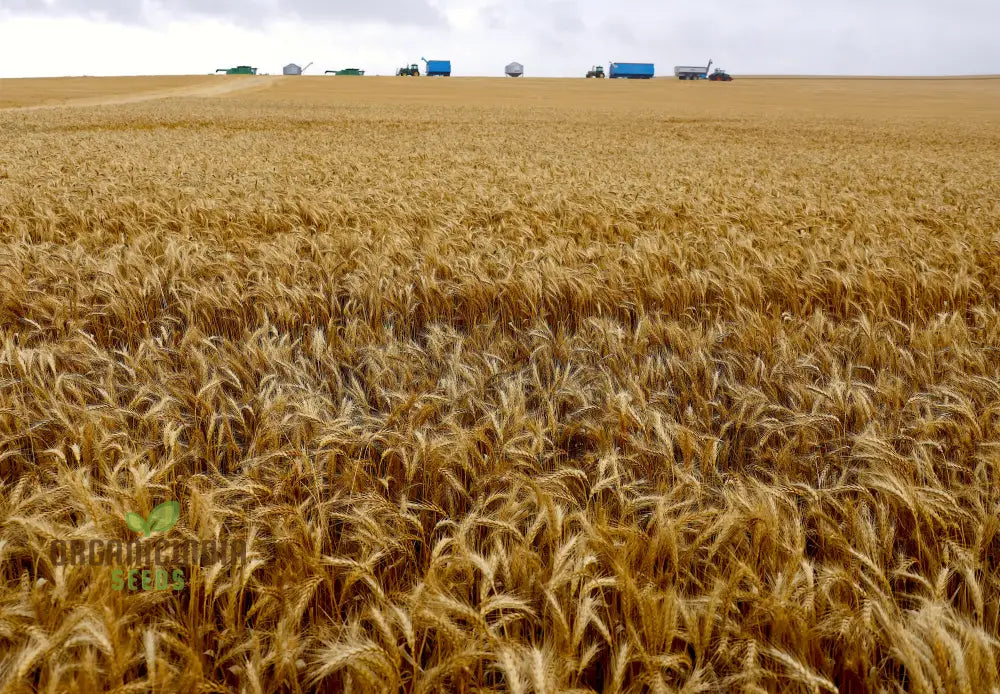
[
  {"x": 438, "y": 68},
  {"x": 631, "y": 71},
  {"x": 347, "y": 71},
  {"x": 239, "y": 70}
]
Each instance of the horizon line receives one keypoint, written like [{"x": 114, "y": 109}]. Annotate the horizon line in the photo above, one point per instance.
[{"x": 523, "y": 77}]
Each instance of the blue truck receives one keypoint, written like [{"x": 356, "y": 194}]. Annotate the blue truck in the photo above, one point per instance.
[
  {"x": 632, "y": 71},
  {"x": 441, "y": 68}
]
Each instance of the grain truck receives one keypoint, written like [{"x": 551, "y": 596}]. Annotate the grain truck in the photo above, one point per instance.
[
  {"x": 441, "y": 68},
  {"x": 631, "y": 71}
]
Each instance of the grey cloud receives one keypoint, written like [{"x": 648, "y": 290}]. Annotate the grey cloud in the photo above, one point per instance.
[
  {"x": 127, "y": 11},
  {"x": 557, "y": 19},
  {"x": 564, "y": 37},
  {"x": 244, "y": 12},
  {"x": 565, "y": 17},
  {"x": 494, "y": 17},
  {"x": 620, "y": 31}
]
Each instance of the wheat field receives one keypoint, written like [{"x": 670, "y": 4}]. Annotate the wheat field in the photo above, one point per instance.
[{"x": 504, "y": 386}]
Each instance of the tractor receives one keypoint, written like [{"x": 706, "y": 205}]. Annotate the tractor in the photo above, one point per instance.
[
  {"x": 412, "y": 71},
  {"x": 720, "y": 75},
  {"x": 596, "y": 71}
]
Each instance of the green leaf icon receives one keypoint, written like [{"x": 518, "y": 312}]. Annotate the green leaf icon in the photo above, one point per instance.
[
  {"x": 163, "y": 517},
  {"x": 137, "y": 523}
]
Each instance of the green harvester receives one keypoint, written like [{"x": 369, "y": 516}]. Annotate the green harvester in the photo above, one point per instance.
[
  {"x": 345, "y": 71},
  {"x": 239, "y": 70}
]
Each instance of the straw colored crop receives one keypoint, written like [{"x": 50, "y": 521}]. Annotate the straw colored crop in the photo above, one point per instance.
[{"x": 507, "y": 386}]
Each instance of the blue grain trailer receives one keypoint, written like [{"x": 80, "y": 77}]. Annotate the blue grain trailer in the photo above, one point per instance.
[
  {"x": 632, "y": 71},
  {"x": 441, "y": 68}
]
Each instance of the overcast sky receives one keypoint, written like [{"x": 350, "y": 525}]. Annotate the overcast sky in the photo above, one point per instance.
[{"x": 551, "y": 38}]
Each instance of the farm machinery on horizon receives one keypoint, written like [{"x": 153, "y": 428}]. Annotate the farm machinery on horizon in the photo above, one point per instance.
[
  {"x": 694, "y": 72},
  {"x": 435, "y": 68}
]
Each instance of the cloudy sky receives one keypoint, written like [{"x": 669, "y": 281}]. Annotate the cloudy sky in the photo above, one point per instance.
[{"x": 550, "y": 37}]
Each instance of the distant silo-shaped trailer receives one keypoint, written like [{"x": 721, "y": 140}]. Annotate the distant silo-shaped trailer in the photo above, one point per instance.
[
  {"x": 514, "y": 70},
  {"x": 293, "y": 69}
]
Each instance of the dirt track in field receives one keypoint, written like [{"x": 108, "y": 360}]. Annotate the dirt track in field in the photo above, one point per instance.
[{"x": 213, "y": 86}]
